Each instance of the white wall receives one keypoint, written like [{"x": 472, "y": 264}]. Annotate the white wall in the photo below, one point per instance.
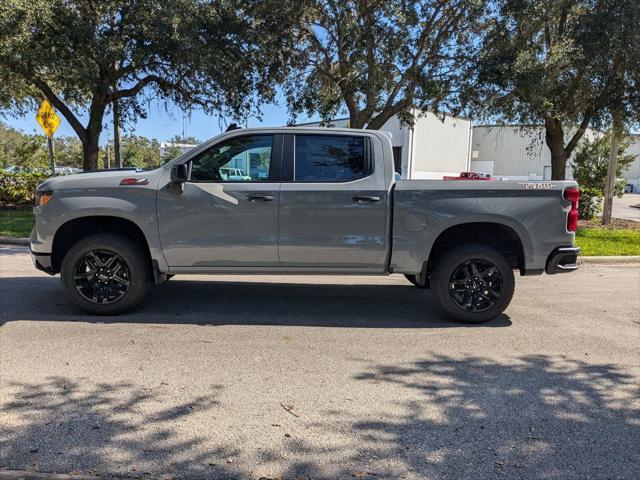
[
  {"x": 632, "y": 174},
  {"x": 517, "y": 152},
  {"x": 440, "y": 146}
]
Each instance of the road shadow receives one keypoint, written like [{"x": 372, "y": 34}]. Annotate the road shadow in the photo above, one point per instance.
[
  {"x": 120, "y": 428},
  {"x": 244, "y": 303},
  {"x": 531, "y": 417},
  {"x": 534, "y": 417}
]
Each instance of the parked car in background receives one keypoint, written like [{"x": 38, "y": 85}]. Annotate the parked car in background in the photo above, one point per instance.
[
  {"x": 15, "y": 169},
  {"x": 234, "y": 175},
  {"x": 331, "y": 204},
  {"x": 67, "y": 170},
  {"x": 470, "y": 176}
]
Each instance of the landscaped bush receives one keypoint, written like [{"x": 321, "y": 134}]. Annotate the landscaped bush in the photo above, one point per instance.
[
  {"x": 590, "y": 170},
  {"x": 19, "y": 188}
]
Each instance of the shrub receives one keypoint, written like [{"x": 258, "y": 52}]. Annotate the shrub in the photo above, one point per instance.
[
  {"x": 590, "y": 170},
  {"x": 590, "y": 203},
  {"x": 19, "y": 188}
]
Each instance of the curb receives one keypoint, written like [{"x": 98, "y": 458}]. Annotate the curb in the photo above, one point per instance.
[
  {"x": 23, "y": 475},
  {"x": 14, "y": 240},
  {"x": 612, "y": 260}
]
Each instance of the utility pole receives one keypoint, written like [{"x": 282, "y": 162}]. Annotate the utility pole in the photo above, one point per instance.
[
  {"x": 108, "y": 157},
  {"x": 51, "y": 156},
  {"x": 116, "y": 133},
  {"x": 616, "y": 129}
]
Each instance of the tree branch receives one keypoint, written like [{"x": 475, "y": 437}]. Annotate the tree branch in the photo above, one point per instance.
[
  {"x": 133, "y": 91},
  {"x": 579, "y": 134}
]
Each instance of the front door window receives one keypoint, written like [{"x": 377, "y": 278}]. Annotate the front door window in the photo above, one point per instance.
[{"x": 239, "y": 159}]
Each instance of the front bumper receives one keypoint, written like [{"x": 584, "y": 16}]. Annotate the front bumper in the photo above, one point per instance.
[
  {"x": 563, "y": 260},
  {"x": 42, "y": 261}
]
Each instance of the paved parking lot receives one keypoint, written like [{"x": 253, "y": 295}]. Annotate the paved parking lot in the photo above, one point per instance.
[
  {"x": 322, "y": 377},
  {"x": 627, "y": 207}
]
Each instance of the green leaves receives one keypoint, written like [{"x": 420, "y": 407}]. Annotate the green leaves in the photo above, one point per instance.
[
  {"x": 590, "y": 170},
  {"x": 376, "y": 59},
  {"x": 222, "y": 56}
]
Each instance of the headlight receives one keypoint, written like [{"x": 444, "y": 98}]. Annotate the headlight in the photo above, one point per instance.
[{"x": 43, "y": 197}]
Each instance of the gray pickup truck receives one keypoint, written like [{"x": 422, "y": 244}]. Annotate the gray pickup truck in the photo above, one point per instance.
[{"x": 309, "y": 201}]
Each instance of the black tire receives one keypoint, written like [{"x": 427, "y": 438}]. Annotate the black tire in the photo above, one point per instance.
[
  {"x": 468, "y": 297},
  {"x": 113, "y": 291},
  {"x": 414, "y": 279}
]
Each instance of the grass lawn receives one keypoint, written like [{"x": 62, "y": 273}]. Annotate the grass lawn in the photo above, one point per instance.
[
  {"x": 620, "y": 238},
  {"x": 14, "y": 223},
  {"x": 608, "y": 241}
]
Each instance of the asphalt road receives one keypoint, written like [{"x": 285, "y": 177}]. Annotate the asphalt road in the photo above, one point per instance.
[
  {"x": 627, "y": 207},
  {"x": 323, "y": 378}
]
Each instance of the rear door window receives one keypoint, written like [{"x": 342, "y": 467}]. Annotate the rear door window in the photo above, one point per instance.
[{"x": 330, "y": 158}]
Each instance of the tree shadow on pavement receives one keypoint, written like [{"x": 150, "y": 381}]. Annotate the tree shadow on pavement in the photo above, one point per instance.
[
  {"x": 64, "y": 426},
  {"x": 245, "y": 303},
  {"x": 535, "y": 417}
]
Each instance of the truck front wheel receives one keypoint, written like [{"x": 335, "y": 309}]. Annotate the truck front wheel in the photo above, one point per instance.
[
  {"x": 105, "y": 274},
  {"x": 473, "y": 283}
]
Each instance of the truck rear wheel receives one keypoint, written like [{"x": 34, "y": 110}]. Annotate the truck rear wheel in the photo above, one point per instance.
[
  {"x": 105, "y": 274},
  {"x": 473, "y": 283}
]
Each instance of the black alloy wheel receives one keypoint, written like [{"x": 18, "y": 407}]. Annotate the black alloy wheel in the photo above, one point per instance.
[
  {"x": 475, "y": 285},
  {"x": 102, "y": 276},
  {"x": 472, "y": 283},
  {"x": 106, "y": 274}
]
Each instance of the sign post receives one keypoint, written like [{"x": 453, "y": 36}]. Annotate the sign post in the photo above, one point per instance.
[{"x": 49, "y": 121}]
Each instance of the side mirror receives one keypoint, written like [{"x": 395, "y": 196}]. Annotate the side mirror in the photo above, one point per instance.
[{"x": 179, "y": 173}]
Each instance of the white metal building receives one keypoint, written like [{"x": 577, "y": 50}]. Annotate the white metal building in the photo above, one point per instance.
[
  {"x": 436, "y": 146},
  {"x": 183, "y": 147},
  {"x": 520, "y": 153},
  {"x": 633, "y": 172},
  {"x": 515, "y": 152}
]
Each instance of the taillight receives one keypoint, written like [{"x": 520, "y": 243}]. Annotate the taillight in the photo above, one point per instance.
[{"x": 572, "y": 194}]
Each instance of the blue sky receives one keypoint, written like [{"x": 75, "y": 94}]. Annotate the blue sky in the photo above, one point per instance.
[{"x": 162, "y": 123}]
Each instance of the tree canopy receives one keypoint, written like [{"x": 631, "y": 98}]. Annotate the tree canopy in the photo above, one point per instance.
[
  {"x": 559, "y": 63},
  {"x": 377, "y": 59},
  {"x": 222, "y": 56}
]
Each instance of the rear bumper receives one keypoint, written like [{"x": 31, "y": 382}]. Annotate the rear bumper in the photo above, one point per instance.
[
  {"x": 563, "y": 260},
  {"x": 42, "y": 261}
]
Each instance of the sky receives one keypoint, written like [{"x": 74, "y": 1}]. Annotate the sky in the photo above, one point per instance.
[{"x": 162, "y": 123}]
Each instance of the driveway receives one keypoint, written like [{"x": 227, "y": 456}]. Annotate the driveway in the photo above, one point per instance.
[
  {"x": 322, "y": 378},
  {"x": 624, "y": 207}
]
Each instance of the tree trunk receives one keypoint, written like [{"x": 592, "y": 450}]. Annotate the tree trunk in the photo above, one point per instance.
[
  {"x": 90, "y": 150},
  {"x": 91, "y": 141},
  {"x": 610, "y": 186},
  {"x": 554, "y": 136},
  {"x": 356, "y": 120}
]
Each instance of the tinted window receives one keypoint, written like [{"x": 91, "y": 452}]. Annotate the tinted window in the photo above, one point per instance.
[
  {"x": 325, "y": 158},
  {"x": 239, "y": 159}
]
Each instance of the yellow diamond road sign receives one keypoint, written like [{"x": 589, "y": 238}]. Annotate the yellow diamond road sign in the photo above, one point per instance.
[{"x": 47, "y": 118}]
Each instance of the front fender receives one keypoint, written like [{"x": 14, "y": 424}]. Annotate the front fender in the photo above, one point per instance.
[{"x": 139, "y": 207}]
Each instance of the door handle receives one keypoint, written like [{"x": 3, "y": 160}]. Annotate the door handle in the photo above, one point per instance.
[
  {"x": 366, "y": 198},
  {"x": 259, "y": 197}
]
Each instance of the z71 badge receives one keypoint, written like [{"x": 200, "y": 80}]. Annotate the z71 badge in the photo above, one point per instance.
[{"x": 538, "y": 185}]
